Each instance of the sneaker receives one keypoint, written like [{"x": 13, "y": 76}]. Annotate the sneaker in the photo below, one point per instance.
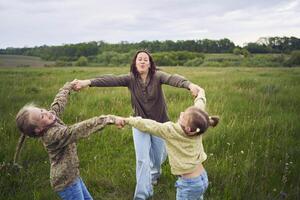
[{"x": 155, "y": 182}]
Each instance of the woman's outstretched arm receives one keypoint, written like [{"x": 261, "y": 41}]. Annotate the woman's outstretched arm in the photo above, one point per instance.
[{"x": 103, "y": 81}]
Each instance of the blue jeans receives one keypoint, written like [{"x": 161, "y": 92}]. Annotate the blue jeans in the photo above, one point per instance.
[
  {"x": 150, "y": 153},
  {"x": 76, "y": 191},
  {"x": 191, "y": 188}
]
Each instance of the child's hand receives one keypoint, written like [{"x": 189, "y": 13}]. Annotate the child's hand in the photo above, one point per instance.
[
  {"x": 73, "y": 84},
  {"x": 120, "y": 122},
  {"x": 195, "y": 89},
  {"x": 80, "y": 84},
  {"x": 201, "y": 92}
]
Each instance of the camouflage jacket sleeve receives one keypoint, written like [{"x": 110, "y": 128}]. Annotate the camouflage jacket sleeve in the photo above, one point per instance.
[
  {"x": 200, "y": 100},
  {"x": 61, "y": 99},
  {"x": 61, "y": 136}
]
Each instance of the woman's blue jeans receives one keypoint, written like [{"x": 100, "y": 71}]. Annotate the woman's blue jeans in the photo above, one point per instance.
[
  {"x": 76, "y": 191},
  {"x": 150, "y": 153},
  {"x": 191, "y": 188}
]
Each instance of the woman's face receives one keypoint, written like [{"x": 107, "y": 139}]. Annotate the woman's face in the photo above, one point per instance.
[{"x": 142, "y": 63}]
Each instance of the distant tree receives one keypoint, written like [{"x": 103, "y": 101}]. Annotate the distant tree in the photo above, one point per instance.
[
  {"x": 225, "y": 45},
  {"x": 274, "y": 45},
  {"x": 258, "y": 48},
  {"x": 82, "y": 61}
]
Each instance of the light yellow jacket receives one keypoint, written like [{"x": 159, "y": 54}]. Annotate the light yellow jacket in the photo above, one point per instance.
[{"x": 185, "y": 152}]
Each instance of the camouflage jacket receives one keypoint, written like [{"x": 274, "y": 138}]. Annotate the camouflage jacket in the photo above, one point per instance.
[{"x": 60, "y": 140}]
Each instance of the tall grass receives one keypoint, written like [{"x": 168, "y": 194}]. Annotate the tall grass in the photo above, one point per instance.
[{"x": 252, "y": 154}]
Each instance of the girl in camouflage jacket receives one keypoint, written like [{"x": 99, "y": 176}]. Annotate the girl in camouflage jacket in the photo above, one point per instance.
[{"x": 59, "y": 141}]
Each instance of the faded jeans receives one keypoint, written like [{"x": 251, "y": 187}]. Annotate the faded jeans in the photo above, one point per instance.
[
  {"x": 150, "y": 153},
  {"x": 76, "y": 191},
  {"x": 191, "y": 188}
]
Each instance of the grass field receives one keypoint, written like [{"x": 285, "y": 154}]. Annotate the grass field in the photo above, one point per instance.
[
  {"x": 23, "y": 61},
  {"x": 254, "y": 153}
]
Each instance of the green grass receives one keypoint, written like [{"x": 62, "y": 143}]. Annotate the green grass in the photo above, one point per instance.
[{"x": 252, "y": 154}]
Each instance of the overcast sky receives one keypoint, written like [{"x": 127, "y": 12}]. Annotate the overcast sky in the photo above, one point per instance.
[{"x": 55, "y": 22}]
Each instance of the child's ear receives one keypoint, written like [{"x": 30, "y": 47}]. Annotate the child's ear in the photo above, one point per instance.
[{"x": 188, "y": 129}]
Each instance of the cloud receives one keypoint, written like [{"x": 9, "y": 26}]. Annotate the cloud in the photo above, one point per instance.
[{"x": 54, "y": 22}]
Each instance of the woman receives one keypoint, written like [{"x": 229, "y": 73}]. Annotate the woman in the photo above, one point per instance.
[{"x": 147, "y": 99}]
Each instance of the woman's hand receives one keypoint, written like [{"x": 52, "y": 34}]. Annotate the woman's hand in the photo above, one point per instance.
[
  {"x": 80, "y": 84},
  {"x": 195, "y": 89}
]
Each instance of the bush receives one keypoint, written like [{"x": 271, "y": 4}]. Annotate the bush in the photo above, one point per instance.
[
  {"x": 245, "y": 53},
  {"x": 277, "y": 58},
  {"x": 294, "y": 59},
  {"x": 194, "y": 62},
  {"x": 61, "y": 63},
  {"x": 237, "y": 51},
  {"x": 175, "y": 58},
  {"x": 82, "y": 61},
  {"x": 111, "y": 58}
]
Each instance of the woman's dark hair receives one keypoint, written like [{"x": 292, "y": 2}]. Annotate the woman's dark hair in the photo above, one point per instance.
[
  {"x": 152, "y": 68},
  {"x": 200, "y": 120}
]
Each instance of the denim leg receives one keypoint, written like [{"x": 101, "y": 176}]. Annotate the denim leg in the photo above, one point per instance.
[
  {"x": 192, "y": 188},
  {"x": 86, "y": 194},
  {"x": 72, "y": 192},
  {"x": 158, "y": 155},
  {"x": 142, "y": 144}
]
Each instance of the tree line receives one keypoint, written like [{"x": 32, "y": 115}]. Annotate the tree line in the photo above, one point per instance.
[{"x": 71, "y": 52}]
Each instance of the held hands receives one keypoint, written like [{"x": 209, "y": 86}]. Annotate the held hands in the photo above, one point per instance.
[
  {"x": 195, "y": 89},
  {"x": 120, "y": 122},
  {"x": 79, "y": 84}
]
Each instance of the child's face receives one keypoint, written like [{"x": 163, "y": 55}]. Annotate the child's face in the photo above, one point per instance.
[
  {"x": 184, "y": 122},
  {"x": 183, "y": 119},
  {"x": 41, "y": 117}
]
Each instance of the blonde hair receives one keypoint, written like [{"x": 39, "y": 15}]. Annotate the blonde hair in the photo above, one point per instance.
[
  {"x": 26, "y": 127},
  {"x": 19, "y": 147},
  {"x": 23, "y": 121},
  {"x": 199, "y": 120}
]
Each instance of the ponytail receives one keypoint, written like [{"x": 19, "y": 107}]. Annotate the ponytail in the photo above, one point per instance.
[
  {"x": 213, "y": 120},
  {"x": 200, "y": 121},
  {"x": 20, "y": 144}
]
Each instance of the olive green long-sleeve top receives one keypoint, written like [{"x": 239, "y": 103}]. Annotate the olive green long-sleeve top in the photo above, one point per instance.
[
  {"x": 147, "y": 98},
  {"x": 60, "y": 140},
  {"x": 185, "y": 152}
]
